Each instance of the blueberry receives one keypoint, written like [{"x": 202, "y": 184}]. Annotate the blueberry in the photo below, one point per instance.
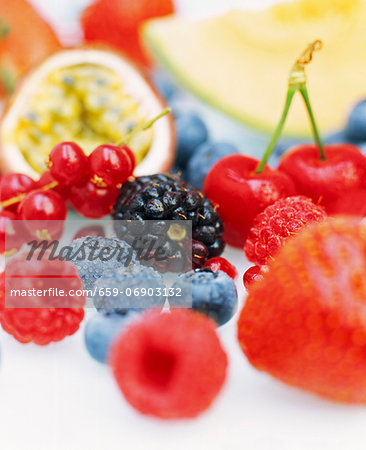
[
  {"x": 285, "y": 144},
  {"x": 164, "y": 85},
  {"x": 191, "y": 132},
  {"x": 135, "y": 288},
  {"x": 204, "y": 158},
  {"x": 338, "y": 137},
  {"x": 101, "y": 330},
  {"x": 91, "y": 259},
  {"x": 356, "y": 125},
  {"x": 211, "y": 293}
]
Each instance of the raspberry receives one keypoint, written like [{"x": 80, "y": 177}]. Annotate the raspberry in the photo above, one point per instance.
[
  {"x": 34, "y": 323},
  {"x": 169, "y": 365},
  {"x": 304, "y": 322},
  {"x": 278, "y": 222}
]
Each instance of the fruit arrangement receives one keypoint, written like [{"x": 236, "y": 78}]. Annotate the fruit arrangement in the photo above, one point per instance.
[{"x": 105, "y": 148}]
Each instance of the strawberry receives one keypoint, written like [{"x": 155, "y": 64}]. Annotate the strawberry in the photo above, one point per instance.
[
  {"x": 117, "y": 22},
  {"x": 25, "y": 39},
  {"x": 305, "y": 321}
]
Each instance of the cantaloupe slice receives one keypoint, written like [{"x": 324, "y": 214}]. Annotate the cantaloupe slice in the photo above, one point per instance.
[{"x": 239, "y": 62}]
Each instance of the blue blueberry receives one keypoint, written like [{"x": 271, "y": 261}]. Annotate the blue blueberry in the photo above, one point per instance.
[
  {"x": 211, "y": 293},
  {"x": 356, "y": 125},
  {"x": 164, "y": 85},
  {"x": 203, "y": 159},
  {"x": 91, "y": 263},
  {"x": 338, "y": 137},
  {"x": 136, "y": 288},
  {"x": 191, "y": 132},
  {"x": 286, "y": 143},
  {"x": 100, "y": 332}
]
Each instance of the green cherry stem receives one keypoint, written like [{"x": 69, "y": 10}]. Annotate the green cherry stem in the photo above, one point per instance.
[{"x": 297, "y": 82}]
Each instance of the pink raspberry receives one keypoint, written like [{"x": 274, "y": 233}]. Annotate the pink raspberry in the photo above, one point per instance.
[{"x": 277, "y": 223}]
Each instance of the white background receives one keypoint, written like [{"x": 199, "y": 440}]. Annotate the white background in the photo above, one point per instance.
[{"x": 57, "y": 397}]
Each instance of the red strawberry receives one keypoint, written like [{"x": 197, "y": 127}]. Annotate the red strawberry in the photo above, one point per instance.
[
  {"x": 240, "y": 193},
  {"x": 338, "y": 183},
  {"x": 117, "y": 22},
  {"x": 305, "y": 321},
  {"x": 277, "y": 223}
]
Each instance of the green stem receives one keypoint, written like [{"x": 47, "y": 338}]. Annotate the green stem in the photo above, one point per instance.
[
  {"x": 304, "y": 92},
  {"x": 290, "y": 94},
  {"x": 143, "y": 127}
]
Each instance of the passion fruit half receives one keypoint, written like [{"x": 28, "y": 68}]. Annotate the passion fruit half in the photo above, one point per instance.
[{"x": 90, "y": 96}]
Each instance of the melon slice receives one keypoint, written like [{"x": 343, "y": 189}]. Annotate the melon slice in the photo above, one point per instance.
[
  {"x": 90, "y": 96},
  {"x": 239, "y": 62}
]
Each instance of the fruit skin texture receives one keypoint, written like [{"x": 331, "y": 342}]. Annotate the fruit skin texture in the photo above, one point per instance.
[
  {"x": 240, "y": 194},
  {"x": 169, "y": 365},
  {"x": 41, "y": 325},
  {"x": 277, "y": 223},
  {"x": 13, "y": 184},
  {"x": 304, "y": 322},
  {"x": 117, "y": 22},
  {"x": 338, "y": 183},
  {"x": 203, "y": 159},
  {"x": 356, "y": 124},
  {"x": 210, "y": 293},
  {"x": 254, "y": 273},
  {"x": 29, "y": 40}
]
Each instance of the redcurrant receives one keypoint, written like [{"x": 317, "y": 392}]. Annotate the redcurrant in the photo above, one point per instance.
[
  {"x": 67, "y": 163},
  {"x": 254, "y": 273},
  {"x": 13, "y": 184},
  {"x": 222, "y": 264},
  {"x": 12, "y": 235},
  {"x": 44, "y": 213},
  {"x": 131, "y": 157},
  {"x": 92, "y": 201},
  {"x": 109, "y": 165},
  {"x": 46, "y": 179}
]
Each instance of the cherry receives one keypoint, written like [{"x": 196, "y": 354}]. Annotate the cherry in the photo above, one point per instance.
[
  {"x": 67, "y": 163},
  {"x": 240, "y": 193},
  {"x": 218, "y": 263},
  {"x": 14, "y": 184},
  {"x": 110, "y": 165},
  {"x": 44, "y": 213},
  {"x": 91, "y": 230},
  {"x": 92, "y": 201},
  {"x": 254, "y": 273},
  {"x": 338, "y": 183}
]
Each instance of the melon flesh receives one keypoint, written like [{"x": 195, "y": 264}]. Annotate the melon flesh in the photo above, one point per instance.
[{"x": 240, "y": 62}]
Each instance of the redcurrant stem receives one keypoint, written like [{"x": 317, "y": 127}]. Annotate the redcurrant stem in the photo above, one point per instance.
[
  {"x": 297, "y": 82},
  {"x": 143, "y": 127},
  {"x": 19, "y": 198}
]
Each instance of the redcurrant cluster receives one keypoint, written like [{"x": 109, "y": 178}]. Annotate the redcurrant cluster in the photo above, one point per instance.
[{"x": 91, "y": 184}]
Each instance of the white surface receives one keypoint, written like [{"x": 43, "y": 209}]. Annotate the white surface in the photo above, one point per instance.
[{"x": 58, "y": 398}]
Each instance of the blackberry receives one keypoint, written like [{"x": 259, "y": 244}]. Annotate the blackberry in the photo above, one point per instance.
[{"x": 163, "y": 198}]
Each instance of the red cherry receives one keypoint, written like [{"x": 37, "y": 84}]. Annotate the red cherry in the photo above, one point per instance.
[
  {"x": 67, "y": 163},
  {"x": 44, "y": 213},
  {"x": 109, "y": 165},
  {"x": 254, "y": 273},
  {"x": 92, "y": 201},
  {"x": 13, "y": 184},
  {"x": 338, "y": 183},
  {"x": 218, "y": 263},
  {"x": 46, "y": 179},
  {"x": 240, "y": 193},
  {"x": 91, "y": 230}
]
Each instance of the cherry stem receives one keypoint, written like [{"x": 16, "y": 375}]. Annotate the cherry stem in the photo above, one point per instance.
[
  {"x": 143, "y": 127},
  {"x": 297, "y": 82}
]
